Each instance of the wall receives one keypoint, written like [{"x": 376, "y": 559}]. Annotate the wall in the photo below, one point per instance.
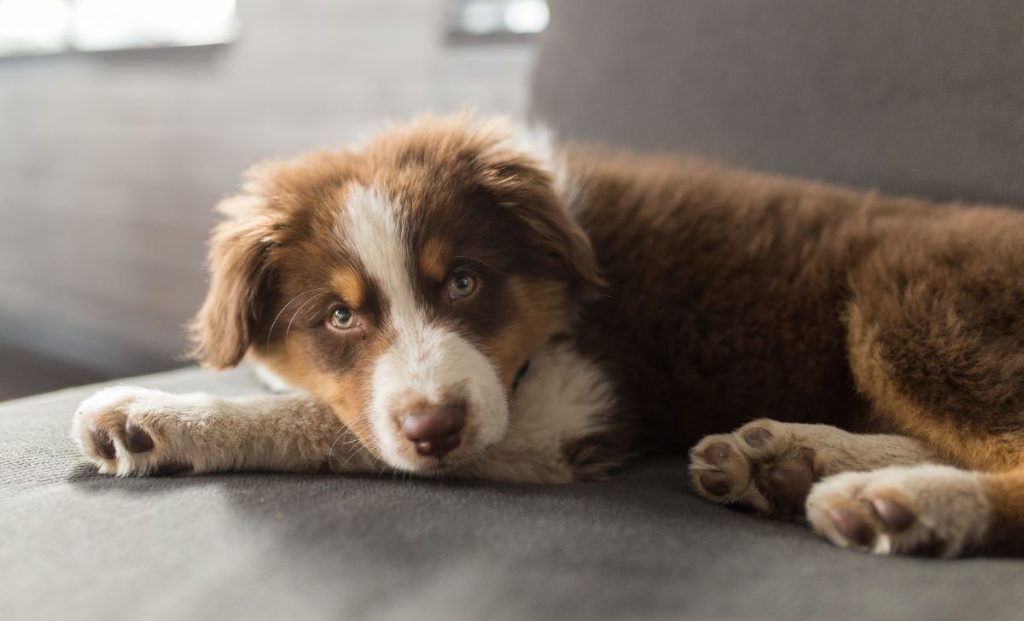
[{"x": 110, "y": 163}]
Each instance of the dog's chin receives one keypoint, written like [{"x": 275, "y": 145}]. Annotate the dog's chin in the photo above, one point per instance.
[{"x": 433, "y": 466}]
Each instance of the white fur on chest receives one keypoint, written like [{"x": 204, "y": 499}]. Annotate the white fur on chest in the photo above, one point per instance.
[{"x": 563, "y": 397}]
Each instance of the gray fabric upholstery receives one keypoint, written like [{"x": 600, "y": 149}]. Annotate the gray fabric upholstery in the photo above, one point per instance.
[
  {"x": 915, "y": 96},
  {"x": 76, "y": 545}
]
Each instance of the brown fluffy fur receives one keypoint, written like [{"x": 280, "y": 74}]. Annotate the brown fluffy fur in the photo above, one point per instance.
[{"x": 736, "y": 295}]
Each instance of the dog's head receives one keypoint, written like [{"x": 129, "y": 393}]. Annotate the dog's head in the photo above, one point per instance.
[{"x": 404, "y": 283}]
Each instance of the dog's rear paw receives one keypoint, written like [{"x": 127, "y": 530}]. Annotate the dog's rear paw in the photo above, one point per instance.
[
  {"x": 763, "y": 466},
  {"x": 926, "y": 510},
  {"x": 120, "y": 430}
]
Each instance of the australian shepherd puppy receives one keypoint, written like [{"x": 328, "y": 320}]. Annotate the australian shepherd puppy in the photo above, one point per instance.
[{"x": 458, "y": 297}]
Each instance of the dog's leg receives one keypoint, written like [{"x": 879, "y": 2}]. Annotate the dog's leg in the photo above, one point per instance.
[
  {"x": 935, "y": 342},
  {"x": 130, "y": 431},
  {"x": 769, "y": 467}
]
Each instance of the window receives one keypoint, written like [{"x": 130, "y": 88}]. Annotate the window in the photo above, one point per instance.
[
  {"x": 52, "y": 26},
  {"x": 497, "y": 18}
]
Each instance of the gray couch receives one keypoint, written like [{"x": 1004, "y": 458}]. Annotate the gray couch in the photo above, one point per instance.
[{"x": 920, "y": 95}]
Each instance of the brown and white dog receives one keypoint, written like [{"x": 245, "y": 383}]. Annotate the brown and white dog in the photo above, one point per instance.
[{"x": 454, "y": 297}]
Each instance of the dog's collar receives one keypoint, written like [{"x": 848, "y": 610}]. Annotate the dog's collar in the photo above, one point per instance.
[{"x": 520, "y": 374}]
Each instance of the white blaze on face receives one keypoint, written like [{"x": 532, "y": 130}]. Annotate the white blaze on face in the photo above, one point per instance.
[{"x": 424, "y": 361}]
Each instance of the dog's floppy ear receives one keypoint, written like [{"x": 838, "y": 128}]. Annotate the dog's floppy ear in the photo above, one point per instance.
[
  {"x": 239, "y": 278},
  {"x": 533, "y": 198},
  {"x": 556, "y": 235}
]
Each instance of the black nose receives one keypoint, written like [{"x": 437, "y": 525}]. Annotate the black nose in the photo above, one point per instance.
[{"x": 435, "y": 430}]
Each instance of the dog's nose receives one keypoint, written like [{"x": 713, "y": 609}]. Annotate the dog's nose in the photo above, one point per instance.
[{"x": 435, "y": 430}]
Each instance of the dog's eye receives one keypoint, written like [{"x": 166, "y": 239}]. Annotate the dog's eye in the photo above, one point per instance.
[
  {"x": 342, "y": 319},
  {"x": 462, "y": 285}
]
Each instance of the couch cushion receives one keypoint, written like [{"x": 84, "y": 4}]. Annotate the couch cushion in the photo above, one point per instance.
[
  {"x": 640, "y": 546},
  {"x": 915, "y": 96}
]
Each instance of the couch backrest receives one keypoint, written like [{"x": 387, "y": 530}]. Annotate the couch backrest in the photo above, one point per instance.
[{"x": 910, "y": 96}]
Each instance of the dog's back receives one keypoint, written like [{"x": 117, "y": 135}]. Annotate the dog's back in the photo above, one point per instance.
[{"x": 729, "y": 291}]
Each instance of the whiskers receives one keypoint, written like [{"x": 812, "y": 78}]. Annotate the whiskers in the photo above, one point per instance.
[
  {"x": 285, "y": 307},
  {"x": 353, "y": 447},
  {"x": 349, "y": 447},
  {"x": 296, "y": 314}
]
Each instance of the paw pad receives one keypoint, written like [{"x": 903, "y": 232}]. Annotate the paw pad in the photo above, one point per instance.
[
  {"x": 136, "y": 440},
  {"x": 892, "y": 514},
  {"x": 116, "y": 429},
  {"x": 757, "y": 437},
  {"x": 924, "y": 510},
  {"x": 852, "y": 526},
  {"x": 790, "y": 481},
  {"x": 717, "y": 454},
  {"x": 759, "y": 466},
  {"x": 716, "y": 483},
  {"x": 103, "y": 443}
]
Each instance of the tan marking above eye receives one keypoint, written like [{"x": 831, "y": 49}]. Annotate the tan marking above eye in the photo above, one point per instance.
[
  {"x": 434, "y": 259},
  {"x": 349, "y": 286}
]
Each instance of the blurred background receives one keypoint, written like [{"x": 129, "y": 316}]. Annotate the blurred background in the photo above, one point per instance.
[{"x": 124, "y": 121}]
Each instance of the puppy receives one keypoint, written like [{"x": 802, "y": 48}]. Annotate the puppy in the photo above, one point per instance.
[{"x": 458, "y": 297}]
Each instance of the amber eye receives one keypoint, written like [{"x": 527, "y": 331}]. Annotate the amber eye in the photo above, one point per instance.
[
  {"x": 342, "y": 319},
  {"x": 462, "y": 285}
]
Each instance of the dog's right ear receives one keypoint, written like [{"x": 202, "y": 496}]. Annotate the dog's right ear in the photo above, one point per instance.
[{"x": 239, "y": 278}]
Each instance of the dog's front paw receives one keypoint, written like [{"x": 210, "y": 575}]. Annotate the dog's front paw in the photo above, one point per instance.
[
  {"x": 924, "y": 510},
  {"x": 124, "y": 430},
  {"x": 764, "y": 466}
]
